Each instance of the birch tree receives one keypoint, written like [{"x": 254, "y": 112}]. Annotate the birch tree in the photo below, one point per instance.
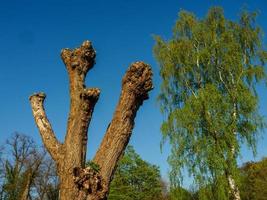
[{"x": 210, "y": 69}]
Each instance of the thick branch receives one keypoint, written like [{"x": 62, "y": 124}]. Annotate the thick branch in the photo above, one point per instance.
[
  {"x": 78, "y": 62},
  {"x": 49, "y": 139},
  {"x": 136, "y": 84}
]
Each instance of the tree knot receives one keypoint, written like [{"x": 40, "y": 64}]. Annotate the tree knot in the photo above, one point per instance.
[
  {"x": 89, "y": 181},
  {"x": 79, "y": 59},
  {"x": 91, "y": 94},
  {"x": 138, "y": 79},
  {"x": 37, "y": 100},
  {"x": 38, "y": 96}
]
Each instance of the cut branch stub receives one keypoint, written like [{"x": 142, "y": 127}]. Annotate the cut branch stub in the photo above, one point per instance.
[
  {"x": 80, "y": 59},
  {"x": 138, "y": 80},
  {"x": 91, "y": 94},
  {"x": 53, "y": 146}
]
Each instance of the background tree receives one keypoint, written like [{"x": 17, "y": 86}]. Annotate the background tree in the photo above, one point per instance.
[
  {"x": 180, "y": 193},
  {"x": 254, "y": 180},
  {"x": 209, "y": 71},
  {"x": 135, "y": 179},
  {"x": 70, "y": 156},
  {"x": 20, "y": 168},
  {"x": 46, "y": 184},
  {"x": 2, "y": 176},
  {"x": 23, "y": 163}
]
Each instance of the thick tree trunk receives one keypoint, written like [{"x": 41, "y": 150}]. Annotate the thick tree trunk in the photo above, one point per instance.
[
  {"x": 75, "y": 181},
  {"x": 67, "y": 188}
]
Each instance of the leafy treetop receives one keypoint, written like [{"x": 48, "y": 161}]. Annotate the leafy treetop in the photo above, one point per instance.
[{"x": 210, "y": 68}]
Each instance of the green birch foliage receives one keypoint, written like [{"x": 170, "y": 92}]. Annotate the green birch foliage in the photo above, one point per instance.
[{"x": 210, "y": 68}]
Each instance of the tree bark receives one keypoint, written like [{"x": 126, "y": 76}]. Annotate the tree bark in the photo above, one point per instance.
[
  {"x": 135, "y": 85},
  {"x": 76, "y": 182},
  {"x": 233, "y": 187},
  {"x": 234, "y": 190}
]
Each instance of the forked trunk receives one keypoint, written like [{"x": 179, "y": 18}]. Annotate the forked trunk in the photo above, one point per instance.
[{"x": 77, "y": 182}]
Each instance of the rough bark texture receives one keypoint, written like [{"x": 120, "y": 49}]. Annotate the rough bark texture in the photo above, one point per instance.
[
  {"x": 75, "y": 181},
  {"x": 234, "y": 190},
  {"x": 135, "y": 86}
]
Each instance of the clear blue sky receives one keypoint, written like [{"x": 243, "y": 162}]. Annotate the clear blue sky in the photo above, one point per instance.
[{"x": 33, "y": 33}]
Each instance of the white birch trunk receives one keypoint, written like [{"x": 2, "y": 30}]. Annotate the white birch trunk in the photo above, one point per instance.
[{"x": 232, "y": 184}]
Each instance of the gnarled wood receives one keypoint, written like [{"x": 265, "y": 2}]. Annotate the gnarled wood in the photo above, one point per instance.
[
  {"x": 136, "y": 84},
  {"x": 90, "y": 184},
  {"x": 82, "y": 100},
  {"x": 75, "y": 181},
  {"x": 50, "y": 141}
]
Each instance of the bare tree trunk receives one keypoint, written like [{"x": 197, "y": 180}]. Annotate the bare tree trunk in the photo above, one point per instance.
[{"x": 75, "y": 181}]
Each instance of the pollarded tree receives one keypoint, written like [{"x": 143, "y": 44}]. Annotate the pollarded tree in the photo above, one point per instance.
[
  {"x": 70, "y": 156},
  {"x": 210, "y": 68}
]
